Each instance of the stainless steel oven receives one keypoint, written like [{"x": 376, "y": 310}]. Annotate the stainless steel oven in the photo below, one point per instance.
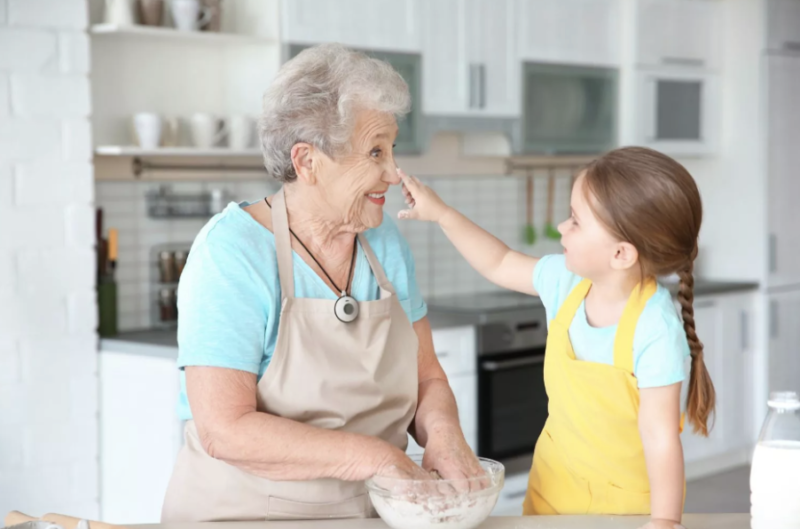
[{"x": 512, "y": 402}]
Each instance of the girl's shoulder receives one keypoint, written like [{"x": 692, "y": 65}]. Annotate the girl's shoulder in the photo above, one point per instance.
[{"x": 553, "y": 282}]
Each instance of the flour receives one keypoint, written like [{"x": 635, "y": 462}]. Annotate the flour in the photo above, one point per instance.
[
  {"x": 463, "y": 511},
  {"x": 436, "y": 504}
]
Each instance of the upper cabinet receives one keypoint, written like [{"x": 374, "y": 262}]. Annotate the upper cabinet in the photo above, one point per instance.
[
  {"x": 783, "y": 25},
  {"x": 783, "y": 159},
  {"x": 390, "y": 25},
  {"x": 679, "y": 32},
  {"x": 469, "y": 64},
  {"x": 569, "y": 31}
]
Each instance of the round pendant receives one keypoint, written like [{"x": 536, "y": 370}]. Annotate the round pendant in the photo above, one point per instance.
[{"x": 346, "y": 309}]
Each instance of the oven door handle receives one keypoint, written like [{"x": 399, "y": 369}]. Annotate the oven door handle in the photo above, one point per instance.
[{"x": 509, "y": 364}]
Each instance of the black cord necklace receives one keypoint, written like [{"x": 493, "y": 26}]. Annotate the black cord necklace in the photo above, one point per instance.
[{"x": 346, "y": 307}]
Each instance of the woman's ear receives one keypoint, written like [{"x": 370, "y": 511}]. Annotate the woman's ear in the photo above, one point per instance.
[
  {"x": 303, "y": 162},
  {"x": 625, "y": 257}
]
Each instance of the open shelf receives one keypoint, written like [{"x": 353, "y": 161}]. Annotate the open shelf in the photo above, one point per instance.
[
  {"x": 124, "y": 150},
  {"x": 167, "y": 33}
]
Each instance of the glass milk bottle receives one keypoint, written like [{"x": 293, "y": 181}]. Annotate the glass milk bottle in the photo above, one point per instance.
[{"x": 775, "y": 474}]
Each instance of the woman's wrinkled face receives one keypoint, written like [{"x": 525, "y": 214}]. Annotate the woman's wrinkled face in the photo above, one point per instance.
[
  {"x": 588, "y": 246},
  {"x": 355, "y": 183}
]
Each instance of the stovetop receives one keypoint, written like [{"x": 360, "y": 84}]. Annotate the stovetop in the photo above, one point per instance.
[{"x": 483, "y": 302}]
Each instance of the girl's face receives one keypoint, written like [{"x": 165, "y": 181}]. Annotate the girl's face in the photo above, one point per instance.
[{"x": 590, "y": 250}]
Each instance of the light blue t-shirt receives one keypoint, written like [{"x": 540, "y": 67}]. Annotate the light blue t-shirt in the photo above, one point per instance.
[
  {"x": 229, "y": 295},
  {"x": 660, "y": 347}
]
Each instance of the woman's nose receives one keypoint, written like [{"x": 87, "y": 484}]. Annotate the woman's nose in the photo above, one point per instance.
[{"x": 390, "y": 175}]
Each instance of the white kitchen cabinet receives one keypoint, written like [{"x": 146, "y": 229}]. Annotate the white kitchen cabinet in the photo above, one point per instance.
[
  {"x": 679, "y": 32},
  {"x": 784, "y": 341},
  {"x": 140, "y": 434},
  {"x": 783, "y": 184},
  {"x": 569, "y": 31},
  {"x": 391, "y": 25},
  {"x": 725, "y": 326},
  {"x": 456, "y": 350},
  {"x": 708, "y": 316},
  {"x": 469, "y": 64},
  {"x": 783, "y": 25}
]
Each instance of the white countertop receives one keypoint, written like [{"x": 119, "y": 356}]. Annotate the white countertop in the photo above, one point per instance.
[{"x": 691, "y": 521}]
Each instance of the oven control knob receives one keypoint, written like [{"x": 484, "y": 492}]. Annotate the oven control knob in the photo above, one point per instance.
[{"x": 508, "y": 337}]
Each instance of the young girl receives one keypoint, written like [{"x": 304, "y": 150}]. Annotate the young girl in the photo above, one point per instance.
[{"x": 616, "y": 346}]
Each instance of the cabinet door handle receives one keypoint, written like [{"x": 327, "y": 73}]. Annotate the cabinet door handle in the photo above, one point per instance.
[
  {"x": 482, "y": 85},
  {"x": 474, "y": 85},
  {"x": 683, "y": 61},
  {"x": 442, "y": 354},
  {"x": 773, "y": 252},
  {"x": 773, "y": 319},
  {"x": 745, "y": 331},
  {"x": 792, "y": 45},
  {"x": 509, "y": 364}
]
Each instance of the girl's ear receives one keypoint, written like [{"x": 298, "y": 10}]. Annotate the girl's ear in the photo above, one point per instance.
[{"x": 625, "y": 257}]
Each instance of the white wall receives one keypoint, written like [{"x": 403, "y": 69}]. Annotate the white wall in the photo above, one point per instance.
[{"x": 48, "y": 344}]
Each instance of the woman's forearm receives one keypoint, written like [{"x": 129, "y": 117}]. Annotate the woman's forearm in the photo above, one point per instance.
[
  {"x": 284, "y": 450},
  {"x": 437, "y": 412},
  {"x": 223, "y": 403}
]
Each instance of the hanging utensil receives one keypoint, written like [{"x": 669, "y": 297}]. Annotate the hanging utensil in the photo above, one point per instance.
[
  {"x": 550, "y": 230},
  {"x": 529, "y": 235}
]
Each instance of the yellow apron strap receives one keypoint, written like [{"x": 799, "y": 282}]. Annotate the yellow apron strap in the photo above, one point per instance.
[
  {"x": 626, "y": 329},
  {"x": 570, "y": 306}
]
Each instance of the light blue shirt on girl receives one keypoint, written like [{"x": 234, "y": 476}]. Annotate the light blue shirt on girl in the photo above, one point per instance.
[
  {"x": 660, "y": 347},
  {"x": 229, "y": 297}
]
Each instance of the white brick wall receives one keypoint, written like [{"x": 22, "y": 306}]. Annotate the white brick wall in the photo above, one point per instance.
[{"x": 48, "y": 314}]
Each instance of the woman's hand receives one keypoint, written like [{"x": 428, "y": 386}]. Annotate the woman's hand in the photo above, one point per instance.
[
  {"x": 662, "y": 524},
  {"x": 452, "y": 458},
  {"x": 423, "y": 202},
  {"x": 398, "y": 465}
]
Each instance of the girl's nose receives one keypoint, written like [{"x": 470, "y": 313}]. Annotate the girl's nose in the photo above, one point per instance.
[{"x": 562, "y": 227}]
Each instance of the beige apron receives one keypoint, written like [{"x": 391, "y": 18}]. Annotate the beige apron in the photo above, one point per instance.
[{"x": 356, "y": 377}]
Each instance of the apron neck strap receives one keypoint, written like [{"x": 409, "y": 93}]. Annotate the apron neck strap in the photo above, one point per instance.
[
  {"x": 375, "y": 265},
  {"x": 283, "y": 244},
  {"x": 623, "y": 341},
  {"x": 570, "y": 306}
]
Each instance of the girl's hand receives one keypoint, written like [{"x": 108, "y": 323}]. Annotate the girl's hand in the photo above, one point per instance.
[
  {"x": 423, "y": 202},
  {"x": 662, "y": 524}
]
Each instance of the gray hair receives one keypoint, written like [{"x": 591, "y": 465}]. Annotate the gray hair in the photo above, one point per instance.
[{"x": 314, "y": 99}]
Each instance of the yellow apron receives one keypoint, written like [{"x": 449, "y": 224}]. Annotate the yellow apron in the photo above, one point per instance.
[{"x": 589, "y": 458}]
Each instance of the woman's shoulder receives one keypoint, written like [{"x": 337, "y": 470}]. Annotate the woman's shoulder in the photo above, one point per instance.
[
  {"x": 232, "y": 239},
  {"x": 233, "y": 228}
]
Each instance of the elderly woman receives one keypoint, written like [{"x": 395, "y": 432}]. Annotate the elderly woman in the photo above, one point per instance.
[{"x": 305, "y": 349}]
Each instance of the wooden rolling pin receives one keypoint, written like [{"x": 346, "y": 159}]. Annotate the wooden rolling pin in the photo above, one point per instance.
[{"x": 67, "y": 522}]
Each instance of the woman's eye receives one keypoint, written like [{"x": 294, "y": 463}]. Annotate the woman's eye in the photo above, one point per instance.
[
  {"x": 394, "y": 146},
  {"x": 376, "y": 152}
]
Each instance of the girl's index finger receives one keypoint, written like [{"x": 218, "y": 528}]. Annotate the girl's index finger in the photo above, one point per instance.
[{"x": 407, "y": 180}]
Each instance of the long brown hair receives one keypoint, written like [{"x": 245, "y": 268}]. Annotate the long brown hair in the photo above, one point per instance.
[{"x": 651, "y": 201}]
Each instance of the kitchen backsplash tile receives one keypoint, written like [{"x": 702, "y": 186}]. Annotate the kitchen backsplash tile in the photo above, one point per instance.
[{"x": 497, "y": 203}]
